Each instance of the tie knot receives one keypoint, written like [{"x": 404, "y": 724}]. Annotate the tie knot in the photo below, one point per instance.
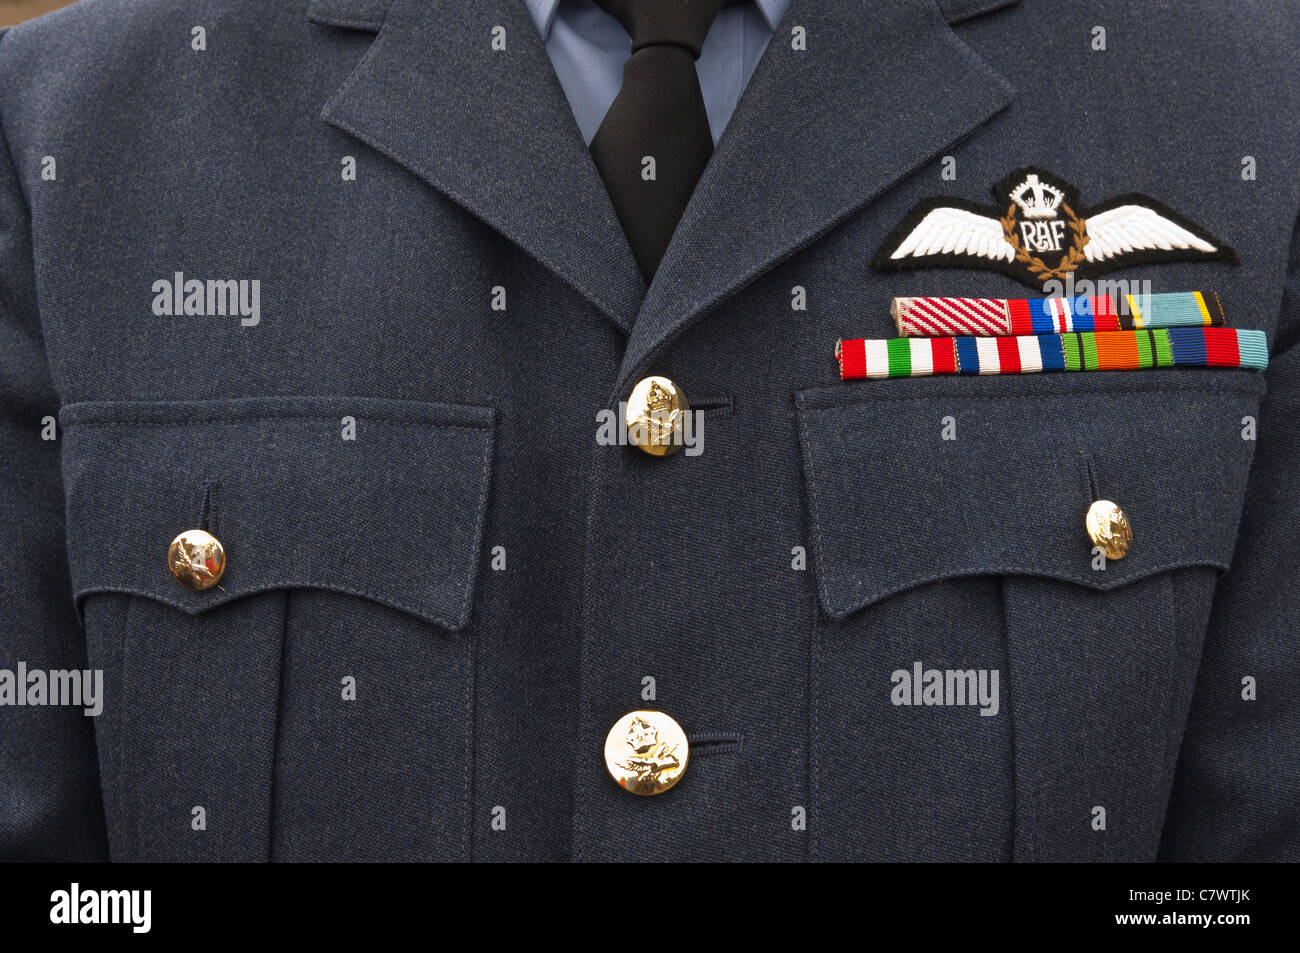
[{"x": 682, "y": 23}]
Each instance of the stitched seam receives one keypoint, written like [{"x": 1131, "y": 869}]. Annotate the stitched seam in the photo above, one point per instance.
[
  {"x": 813, "y": 675},
  {"x": 21, "y": 188},
  {"x": 256, "y": 407},
  {"x": 1021, "y": 848},
  {"x": 234, "y": 422},
  {"x": 132, "y": 845},
  {"x": 471, "y": 689},
  {"x": 807, "y": 407},
  {"x": 1035, "y": 572},
  {"x": 436, "y": 617},
  {"x": 480, "y": 515},
  {"x": 814, "y": 508},
  {"x": 9, "y": 155},
  {"x": 349, "y": 24},
  {"x": 279, "y": 725},
  {"x": 814, "y": 669},
  {"x": 586, "y": 652},
  {"x": 1162, "y": 787}
]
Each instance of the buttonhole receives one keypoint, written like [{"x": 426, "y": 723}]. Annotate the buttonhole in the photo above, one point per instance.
[
  {"x": 208, "y": 515},
  {"x": 707, "y": 743},
  {"x": 713, "y": 407},
  {"x": 1091, "y": 467}
]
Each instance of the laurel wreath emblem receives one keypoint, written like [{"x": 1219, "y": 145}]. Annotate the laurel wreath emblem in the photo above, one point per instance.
[{"x": 1036, "y": 266}]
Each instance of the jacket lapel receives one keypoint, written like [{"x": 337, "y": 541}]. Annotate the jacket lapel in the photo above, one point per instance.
[
  {"x": 881, "y": 88},
  {"x": 491, "y": 130},
  {"x": 819, "y": 133}
]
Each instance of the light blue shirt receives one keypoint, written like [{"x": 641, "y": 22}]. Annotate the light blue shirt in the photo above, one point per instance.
[{"x": 588, "y": 48}]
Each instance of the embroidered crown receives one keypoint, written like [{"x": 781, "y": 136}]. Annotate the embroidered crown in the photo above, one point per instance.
[{"x": 1037, "y": 199}]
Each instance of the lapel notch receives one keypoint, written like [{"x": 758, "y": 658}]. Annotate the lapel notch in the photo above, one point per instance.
[
  {"x": 490, "y": 129},
  {"x": 819, "y": 133}
]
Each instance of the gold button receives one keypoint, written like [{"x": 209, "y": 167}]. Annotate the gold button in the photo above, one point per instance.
[
  {"x": 197, "y": 559},
  {"x": 1109, "y": 529},
  {"x": 653, "y": 416},
  {"x": 646, "y": 752}
]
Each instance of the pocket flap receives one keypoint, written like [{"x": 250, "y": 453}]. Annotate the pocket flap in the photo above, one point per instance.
[
  {"x": 394, "y": 515},
  {"x": 893, "y": 504}
]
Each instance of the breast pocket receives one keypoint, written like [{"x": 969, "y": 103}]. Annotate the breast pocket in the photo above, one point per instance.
[
  {"x": 951, "y": 560},
  {"x": 314, "y": 703}
]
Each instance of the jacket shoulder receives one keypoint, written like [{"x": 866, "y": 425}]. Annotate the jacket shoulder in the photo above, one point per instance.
[{"x": 101, "y": 58}]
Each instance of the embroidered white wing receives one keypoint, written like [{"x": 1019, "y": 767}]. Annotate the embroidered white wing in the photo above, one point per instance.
[
  {"x": 1131, "y": 228},
  {"x": 954, "y": 231}
]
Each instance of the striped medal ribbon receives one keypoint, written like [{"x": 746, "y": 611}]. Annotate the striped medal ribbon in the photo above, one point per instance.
[
  {"x": 936, "y": 317},
  {"x": 1032, "y": 353}
]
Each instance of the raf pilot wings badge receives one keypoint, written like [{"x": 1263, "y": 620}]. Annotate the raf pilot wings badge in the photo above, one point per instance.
[{"x": 1037, "y": 232}]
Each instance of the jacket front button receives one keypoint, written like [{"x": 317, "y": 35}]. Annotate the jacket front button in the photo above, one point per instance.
[
  {"x": 1109, "y": 529},
  {"x": 653, "y": 416},
  {"x": 646, "y": 752},
  {"x": 197, "y": 559}
]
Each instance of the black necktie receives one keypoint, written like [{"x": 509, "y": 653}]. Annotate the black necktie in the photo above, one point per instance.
[{"x": 654, "y": 142}]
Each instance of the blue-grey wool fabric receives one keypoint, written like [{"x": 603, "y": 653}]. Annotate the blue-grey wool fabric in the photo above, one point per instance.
[{"x": 443, "y": 587}]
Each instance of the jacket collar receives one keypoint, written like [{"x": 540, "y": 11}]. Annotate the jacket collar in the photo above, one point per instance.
[
  {"x": 817, "y": 135},
  {"x": 369, "y": 14},
  {"x": 543, "y": 13}
]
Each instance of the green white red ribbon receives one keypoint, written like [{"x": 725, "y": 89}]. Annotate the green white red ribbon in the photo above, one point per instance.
[{"x": 1029, "y": 354}]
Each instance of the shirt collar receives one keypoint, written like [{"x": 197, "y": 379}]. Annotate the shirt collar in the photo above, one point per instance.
[
  {"x": 773, "y": 11},
  {"x": 543, "y": 13}
]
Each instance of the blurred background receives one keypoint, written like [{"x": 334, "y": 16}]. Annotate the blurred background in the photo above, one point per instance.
[{"x": 16, "y": 11}]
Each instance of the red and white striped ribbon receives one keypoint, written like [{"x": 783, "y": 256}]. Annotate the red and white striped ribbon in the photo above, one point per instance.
[{"x": 927, "y": 317}]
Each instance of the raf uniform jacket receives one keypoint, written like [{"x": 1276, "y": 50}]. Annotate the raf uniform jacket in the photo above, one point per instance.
[{"x": 443, "y": 586}]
